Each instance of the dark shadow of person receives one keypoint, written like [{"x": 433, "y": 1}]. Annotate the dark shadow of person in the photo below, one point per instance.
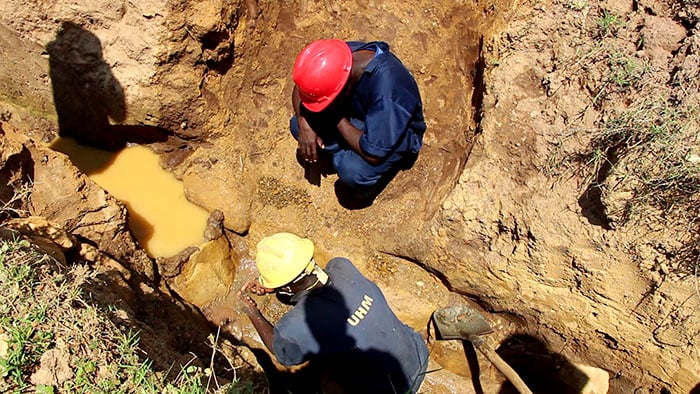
[
  {"x": 695, "y": 390},
  {"x": 343, "y": 366},
  {"x": 543, "y": 370},
  {"x": 474, "y": 369},
  {"x": 89, "y": 100},
  {"x": 339, "y": 366}
]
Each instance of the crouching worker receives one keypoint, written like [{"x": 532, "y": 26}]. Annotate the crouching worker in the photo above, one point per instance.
[
  {"x": 358, "y": 103},
  {"x": 340, "y": 321}
]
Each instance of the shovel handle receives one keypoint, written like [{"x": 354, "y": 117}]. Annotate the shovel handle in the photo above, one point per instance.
[{"x": 502, "y": 366}]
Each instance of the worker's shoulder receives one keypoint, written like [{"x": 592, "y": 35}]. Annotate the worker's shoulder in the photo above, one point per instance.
[
  {"x": 340, "y": 264},
  {"x": 359, "y": 45}
]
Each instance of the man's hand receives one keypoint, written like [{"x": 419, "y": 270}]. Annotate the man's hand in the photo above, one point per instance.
[
  {"x": 256, "y": 288},
  {"x": 250, "y": 308},
  {"x": 247, "y": 304},
  {"x": 309, "y": 141}
]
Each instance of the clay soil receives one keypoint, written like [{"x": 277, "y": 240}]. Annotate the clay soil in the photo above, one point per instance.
[{"x": 506, "y": 208}]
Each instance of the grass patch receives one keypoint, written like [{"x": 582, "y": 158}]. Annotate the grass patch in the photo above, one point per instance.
[
  {"x": 645, "y": 162},
  {"x": 622, "y": 75},
  {"x": 640, "y": 162},
  {"x": 53, "y": 341},
  {"x": 21, "y": 322},
  {"x": 651, "y": 148},
  {"x": 609, "y": 24},
  {"x": 624, "y": 70}
]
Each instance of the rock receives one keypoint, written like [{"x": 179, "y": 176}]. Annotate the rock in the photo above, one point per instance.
[
  {"x": 663, "y": 33},
  {"x": 54, "y": 368},
  {"x": 213, "y": 189},
  {"x": 586, "y": 379},
  {"x": 205, "y": 18},
  {"x": 207, "y": 274},
  {"x": 215, "y": 226},
  {"x": 170, "y": 267},
  {"x": 38, "y": 228}
]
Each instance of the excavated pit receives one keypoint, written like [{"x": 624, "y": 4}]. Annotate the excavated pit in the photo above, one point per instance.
[
  {"x": 206, "y": 85},
  {"x": 446, "y": 150}
]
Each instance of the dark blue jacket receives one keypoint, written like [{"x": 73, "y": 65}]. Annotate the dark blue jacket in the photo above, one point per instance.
[
  {"x": 348, "y": 327},
  {"x": 386, "y": 104}
]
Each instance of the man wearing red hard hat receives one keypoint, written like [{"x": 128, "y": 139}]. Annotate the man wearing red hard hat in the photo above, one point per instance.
[{"x": 358, "y": 103}]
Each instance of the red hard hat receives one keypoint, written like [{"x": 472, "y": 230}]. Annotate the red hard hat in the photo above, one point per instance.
[{"x": 320, "y": 72}]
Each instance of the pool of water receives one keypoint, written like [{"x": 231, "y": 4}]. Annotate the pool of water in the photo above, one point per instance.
[{"x": 160, "y": 216}]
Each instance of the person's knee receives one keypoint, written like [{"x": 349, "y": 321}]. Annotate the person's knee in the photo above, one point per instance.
[{"x": 357, "y": 175}]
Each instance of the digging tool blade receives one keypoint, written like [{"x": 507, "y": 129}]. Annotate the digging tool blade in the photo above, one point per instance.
[{"x": 465, "y": 323}]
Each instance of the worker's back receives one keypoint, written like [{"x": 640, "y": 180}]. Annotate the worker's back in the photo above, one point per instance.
[{"x": 348, "y": 329}]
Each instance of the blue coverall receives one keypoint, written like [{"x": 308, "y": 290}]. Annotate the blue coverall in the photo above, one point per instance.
[
  {"x": 348, "y": 328},
  {"x": 386, "y": 105}
]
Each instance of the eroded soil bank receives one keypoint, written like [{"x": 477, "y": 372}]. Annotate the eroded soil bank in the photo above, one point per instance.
[{"x": 206, "y": 84}]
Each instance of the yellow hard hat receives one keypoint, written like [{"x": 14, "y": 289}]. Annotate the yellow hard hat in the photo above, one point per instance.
[{"x": 282, "y": 257}]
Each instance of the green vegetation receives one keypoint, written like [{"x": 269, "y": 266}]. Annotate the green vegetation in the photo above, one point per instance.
[
  {"x": 651, "y": 147},
  {"x": 623, "y": 74},
  {"x": 23, "y": 342},
  {"x": 53, "y": 341},
  {"x": 609, "y": 23},
  {"x": 624, "y": 70},
  {"x": 641, "y": 163}
]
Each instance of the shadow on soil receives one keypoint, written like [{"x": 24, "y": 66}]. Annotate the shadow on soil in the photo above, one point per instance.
[
  {"x": 172, "y": 334},
  {"x": 543, "y": 370},
  {"x": 87, "y": 96},
  {"x": 591, "y": 201}
]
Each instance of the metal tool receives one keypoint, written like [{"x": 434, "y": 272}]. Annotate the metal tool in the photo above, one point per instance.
[{"x": 465, "y": 323}]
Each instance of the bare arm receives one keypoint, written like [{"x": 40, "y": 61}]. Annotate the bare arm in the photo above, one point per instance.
[
  {"x": 308, "y": 139},
  {"x": 250, "y": 308},
  {"x": 352, "y": 135},
  {"x": 296, "y": 101},
  {"x": 263, "y": 327}
]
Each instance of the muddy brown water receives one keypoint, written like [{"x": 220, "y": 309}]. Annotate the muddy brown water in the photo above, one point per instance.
[{"x": 160, "y": 216}]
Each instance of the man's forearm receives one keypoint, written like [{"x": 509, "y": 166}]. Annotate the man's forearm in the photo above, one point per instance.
[
  {"x": 296, "y": 101},
  {"x": 351, "y": 135},
  {"x": 264, "y": 329}
]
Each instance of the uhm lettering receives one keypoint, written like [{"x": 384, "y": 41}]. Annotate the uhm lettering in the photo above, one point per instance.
[{"x": 361, "y": 311}]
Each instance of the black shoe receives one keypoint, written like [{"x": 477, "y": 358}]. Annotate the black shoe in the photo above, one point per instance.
[{"x": 355, "y": 198}]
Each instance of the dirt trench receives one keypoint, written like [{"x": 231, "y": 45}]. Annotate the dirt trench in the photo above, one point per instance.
[{"x": 206, "y": 84}]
